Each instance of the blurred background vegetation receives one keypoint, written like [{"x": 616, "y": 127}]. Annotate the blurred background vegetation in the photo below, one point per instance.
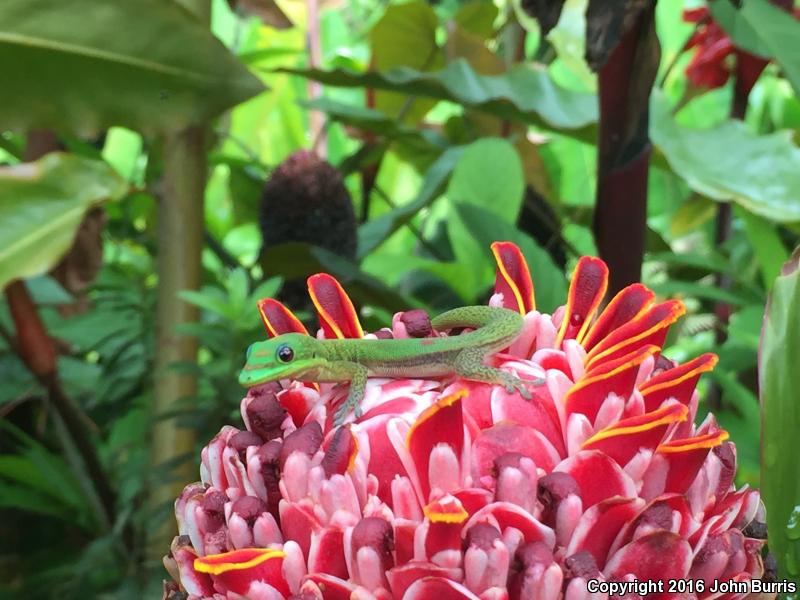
[{"x": 165, "y": 164}]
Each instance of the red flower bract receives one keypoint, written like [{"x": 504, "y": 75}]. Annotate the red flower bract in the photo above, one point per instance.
[
  {"x": 457, "y": 489},
  {"x": 713, "y": 60}
]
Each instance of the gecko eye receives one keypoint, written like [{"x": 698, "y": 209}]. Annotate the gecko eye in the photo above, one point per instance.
[
  {"x": 249, "y": 350},
  {"x": 285, "y": 353}
]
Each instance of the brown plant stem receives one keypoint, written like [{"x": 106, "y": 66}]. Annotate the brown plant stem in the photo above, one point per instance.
[{"x": 180, "y": 245}]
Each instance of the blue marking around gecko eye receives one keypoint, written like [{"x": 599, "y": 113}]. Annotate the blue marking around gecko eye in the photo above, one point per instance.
[{"x": 249, "y": 350}]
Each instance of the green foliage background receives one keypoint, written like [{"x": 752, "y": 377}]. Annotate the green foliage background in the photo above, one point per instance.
[{"x": 432, "y": 95}]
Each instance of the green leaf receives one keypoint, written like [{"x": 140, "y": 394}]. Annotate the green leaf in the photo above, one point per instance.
[
  {"x": 148, "y": 65},
  {"x": 477, "y": 17},
  {"x": 767, "y": 245},
  {"x": 237, "y": 287},
  {"x": 267, "y": 289},
  {"x": 373, "y": 233},
  {"x": 79, "y": 377},
  {"x": 122, "y": 150},
  {"x": 22, "y": 470},
  {"x": 779, "y": 380},
  {"x": 405, "y": 36},
  {"x": 738, "y": 28},
  {"x": 745, "y": 325},
  {"x": 42, "y": 205},
  {"x": 525, "y": 93},
  {"x": 393, "y": 268},
  {"x": 48, "y": 466},
  {"x": 675, "y": 288},
  {"x": 256, "y": 56},
  {"x": 211, "y": 299},
  {"x": 742, "y": 399},
  {"x": 25, "y": 499},
  {"x": 46, "y": 290},
  {"x": 486, "y": 227},
  {"x": 18, "y": 381},
  {"x": 691, "y": 215},
  {"x": 730, "y": 163},
  {"x": 246, "y": 185},
  {"x": 763, "y": 29},
  {"x": 710, "y": 261},
  {"x": 581, "y": 238},
  {"x": 489, "y": 174},
  {"x": 357, "y": 116},
  {"x": 568, "y": 38},
  {"x": 87, "y": 331},
  {"x": 572, "y": 167},
  {"x": 371, "y": 120}
]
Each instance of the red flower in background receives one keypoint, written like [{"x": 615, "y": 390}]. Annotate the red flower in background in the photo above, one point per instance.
[
  {"x": 460, "y": 490},
  {"x": 710, "y": 67}
]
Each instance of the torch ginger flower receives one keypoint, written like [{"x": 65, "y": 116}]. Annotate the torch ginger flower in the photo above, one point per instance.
[{"x": 460, "y": 490}]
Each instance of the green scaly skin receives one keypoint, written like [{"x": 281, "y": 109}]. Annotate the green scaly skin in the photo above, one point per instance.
[{"x": 355, "y": 360}]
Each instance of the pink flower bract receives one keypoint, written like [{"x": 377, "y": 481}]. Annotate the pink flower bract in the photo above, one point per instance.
[{"x": 457, "y": 489}]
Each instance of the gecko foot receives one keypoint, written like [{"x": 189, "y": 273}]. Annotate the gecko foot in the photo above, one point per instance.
[
  {"x": 341, "y": 413},
  {"x": 515, "y": 384}
]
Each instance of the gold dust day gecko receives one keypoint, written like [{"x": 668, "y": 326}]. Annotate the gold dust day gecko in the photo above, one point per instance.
[{"x": 304, "y": 358}]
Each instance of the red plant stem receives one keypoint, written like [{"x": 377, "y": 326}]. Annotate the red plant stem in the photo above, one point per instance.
[
  {"x": 34, "y": 345},
  {"x": 37, "y": 350},
  {"x": 620, "y": 220}
]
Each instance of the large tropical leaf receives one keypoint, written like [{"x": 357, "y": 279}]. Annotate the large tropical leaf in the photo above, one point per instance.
[
  {"x": 42, "y": 205},
  {"x": 779, "y": 380},
  {"x": 372, "y": 120},
  {"x": 729, "y": 162},
  {"x": 87, "y": 64},
  {"x": 489, "y": 174},
  {"x": 405, "y": 36},
  {"x": 525, "y": 93},
  {"x": 376, "y": 231}
]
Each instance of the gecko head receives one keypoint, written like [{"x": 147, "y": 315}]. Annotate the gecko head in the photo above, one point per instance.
[{"x": 281, "y": 357}]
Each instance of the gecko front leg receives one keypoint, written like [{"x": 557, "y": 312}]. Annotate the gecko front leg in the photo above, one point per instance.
[
  {"x": 469, "y": 365},
  {"x": 358, "y": 382}
]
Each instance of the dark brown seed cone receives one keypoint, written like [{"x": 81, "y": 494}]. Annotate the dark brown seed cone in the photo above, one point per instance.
[{"x": 305, "y": 200}]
